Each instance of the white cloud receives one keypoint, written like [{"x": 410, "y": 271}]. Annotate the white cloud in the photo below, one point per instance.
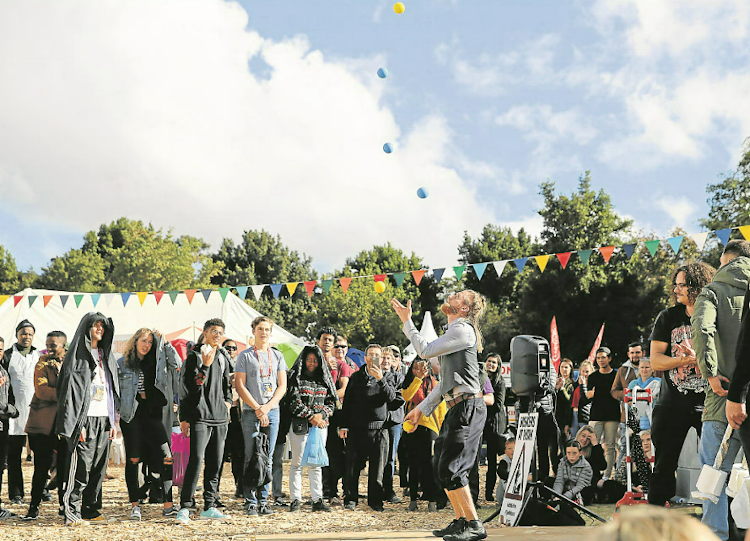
[
  {"x": 147, "y": 109},
  {"x": 679, "y": 209}
]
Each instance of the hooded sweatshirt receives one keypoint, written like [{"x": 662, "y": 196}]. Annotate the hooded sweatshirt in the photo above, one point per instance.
[
  {"x": 206, "y": 390},
  {"x": 77, "y": 375},
  {"x": 310, "y": 395},
  {"x": 715, "y": 327}
]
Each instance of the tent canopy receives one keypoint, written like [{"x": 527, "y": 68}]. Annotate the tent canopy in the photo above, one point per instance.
[{"x": 178, "y": 319}]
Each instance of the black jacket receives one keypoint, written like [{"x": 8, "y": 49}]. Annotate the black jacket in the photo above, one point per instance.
[
  {"x": 497, "y": 417},
  {"x": 367, "y": 401},
  {"x": 77, "y": 373},
  {"x": 7, "y": 402},
  {"x": 206, "y": 391}
]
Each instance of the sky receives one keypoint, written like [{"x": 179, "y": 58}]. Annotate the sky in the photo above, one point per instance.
[{"x": 212, "y": 117}]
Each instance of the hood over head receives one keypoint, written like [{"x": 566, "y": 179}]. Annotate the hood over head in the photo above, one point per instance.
[{"x": 296, "y": 371}]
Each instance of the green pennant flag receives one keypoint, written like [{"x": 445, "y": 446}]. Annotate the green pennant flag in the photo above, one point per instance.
[
  {"x": 173, "y": 295},
  {"x": 223, "y": 292},
  {"x": 459, "y": 271},
  {"x": 652, "y": 246},
  {"x": 399, "y": 277},
  {"x": 78, "y": 299},
  {"x": 32, "y": 298},
  {"x": 584, "y": 256},
  {"x": 327, "y": 285}
]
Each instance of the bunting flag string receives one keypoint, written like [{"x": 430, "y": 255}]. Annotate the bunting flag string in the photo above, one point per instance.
[{"x": 652, "y": 247}]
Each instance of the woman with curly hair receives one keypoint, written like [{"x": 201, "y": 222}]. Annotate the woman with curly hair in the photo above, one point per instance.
[
  {"x": 148, "y": 379},
  {"x": 680, "y": 402}
]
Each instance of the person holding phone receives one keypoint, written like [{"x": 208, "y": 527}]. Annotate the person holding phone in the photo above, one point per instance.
[{"x": 369, "y": 396}]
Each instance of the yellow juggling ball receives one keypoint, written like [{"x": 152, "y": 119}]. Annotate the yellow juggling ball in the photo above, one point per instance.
[
  {"x": 379, "y": 287},
  {"x": 399, "y": 7}
]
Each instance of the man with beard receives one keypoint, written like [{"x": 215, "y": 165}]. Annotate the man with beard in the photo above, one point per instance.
[
  {"x": 461, "y": 432},
  {"x": 88, "y": 389},
  {"x": 19, "y": 361}
]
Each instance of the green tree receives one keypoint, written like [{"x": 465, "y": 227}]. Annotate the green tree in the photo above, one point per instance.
[
  {"x": 261, "y": 258},
  {"x": 128, "y": 255},
  {"x": 11, "y": 279}
]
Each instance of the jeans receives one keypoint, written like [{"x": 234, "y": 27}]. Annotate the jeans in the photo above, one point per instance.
[
  {"x": 369, "y": 445},
  {"x": 250, "y": 428},
  {"x": 145, "y": 439},
  {"x": 715, "y": 515},
  {"x": 44, "y": 447},
  {"x": 390, "y": 464},
  {"x": 205, "y": 441},
  {"x": 285, "y": 422},
  {"x": 298, "y": 442},
  {"x": 609, "y": 429}
]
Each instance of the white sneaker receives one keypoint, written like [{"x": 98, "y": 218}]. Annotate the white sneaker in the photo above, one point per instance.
[{"x": 183, "y": 516}]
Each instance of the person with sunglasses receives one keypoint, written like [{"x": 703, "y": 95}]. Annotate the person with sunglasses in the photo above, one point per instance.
[{"x": 235, "y": 444}]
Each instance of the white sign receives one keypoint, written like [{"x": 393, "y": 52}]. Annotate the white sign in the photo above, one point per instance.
[{"x": 518, "y": 476}]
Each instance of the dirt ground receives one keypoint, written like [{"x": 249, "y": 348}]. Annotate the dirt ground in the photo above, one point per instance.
[{"x": 339, "y": 524}]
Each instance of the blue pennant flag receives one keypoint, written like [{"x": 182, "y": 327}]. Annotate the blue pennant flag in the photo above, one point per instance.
[
  {"x": 629, "y": 249},
  {"x": 723, "y": 235},
  {"x": 675, "y": 243},
  {"x": 479, "y": 269},
  {"x": 64, "y": 299},
  {"x": 206, "y": 294},
  {"x": 520, "y": 263},
  {"x": 276, "y": 289},
  {"x": 125, "y": 297},
  {"x": 438, "y": 274},
  {"x": 95, "y": 298},
  {"x": 242, "y": 292}
]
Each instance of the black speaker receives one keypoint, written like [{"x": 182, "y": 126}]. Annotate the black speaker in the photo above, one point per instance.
[{"x": 529, "y": 365}]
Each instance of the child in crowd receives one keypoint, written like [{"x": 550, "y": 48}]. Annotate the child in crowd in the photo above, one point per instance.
[
  {"x": 646, "y": 380},
  {"x": 574, "y": 473},
  {"x": 503, "y": 468}
]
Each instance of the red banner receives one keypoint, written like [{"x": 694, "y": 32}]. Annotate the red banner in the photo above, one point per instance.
[
  {"x": 555, "y": 344},
  {"x": 592, "y": 355}
]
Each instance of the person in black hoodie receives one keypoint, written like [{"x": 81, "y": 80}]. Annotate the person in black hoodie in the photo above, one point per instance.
[
  {"x": 88, "y": 394},
  {"x": 7, "y": 411},
  {"x": 205, "y": 400},
  {"x": 369, "y": 396}
]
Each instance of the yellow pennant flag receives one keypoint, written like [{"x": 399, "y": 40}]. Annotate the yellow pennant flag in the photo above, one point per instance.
[
  {"x": 142, "y": 296},
  {"x": 4, "y": 298},
  {"x": 745, "y": 230},
  {"x": 542, "y": 260},
  {"x": 291, "y": 287}
]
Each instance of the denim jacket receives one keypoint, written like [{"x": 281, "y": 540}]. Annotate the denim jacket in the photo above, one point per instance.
[{"x": 167, "y": 379}]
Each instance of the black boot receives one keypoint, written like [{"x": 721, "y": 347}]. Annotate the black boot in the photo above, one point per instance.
[{"x": 474, "y": 531}]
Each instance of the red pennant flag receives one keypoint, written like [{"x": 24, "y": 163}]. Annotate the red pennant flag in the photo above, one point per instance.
[
  {"x": 158, "y": 295},
  {"x": 310, "y": 287},
  {"x": 592, "y": 355},
  {"x": 189, "y": 293},
  {"x": 380, "y": 277},
  {"x": 418, "y": 275},
  {"x": 47, "y": 298},
  {"x": 345, "y": 283},
  {"x": 564, "y": 258},
  {"x": 606, "y": 252},
  {"x": 16, "y": 300},
  {"x": 555, "y": 344}
]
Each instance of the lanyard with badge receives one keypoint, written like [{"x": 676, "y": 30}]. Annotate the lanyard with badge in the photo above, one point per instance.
[
  {"x": 99, "y": 390},
  {"x": 265, "y": 386}
]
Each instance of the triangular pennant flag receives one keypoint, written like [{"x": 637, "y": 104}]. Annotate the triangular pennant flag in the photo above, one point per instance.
[
  {"x": 520, "y": 263},
  {"x": 173, "y": 295},
  {"x": 700, "y": 239},
  {"x": 675, "y": 243},
  {"x": 459, "y": 271},
  {"x": 344, "y": 283},
  {"x": 16, "y": 300},
  {"x": 399, "y": 277},
  {"x": 479, "y": 269},
  {"x": 125, "y": 297},
  {"x": 142, "y": 296},
  {"x": 190, "y": 293},
  {"x": 584, "y": 256},
  {"x": 564, "y": 258},
  {"x": 327, "y": 285},
  {"x": 95, "y": 298},
  {"x": 4, "y": 298},
  {"x": 499, "y": 267},
  {"x": 206, "y": 294},
  {"x": 32, "y": 298},
  {"x": 158, "y": 295},
  {"x": 45, "y": 298},
  {"x": 242, "y": 292},
  {"x": 542, "y": 260},
  {"x": 606, "y": 252},
  {"x": 63, "y": 300},
  {"x": 438, "y": 274},
  {"x": 629, "y": 249},
  {"x": 745, "y": 230},
  {"x": 652, "y": 246},
  {"x": 723, "y": 235},
  {"x": 379, "y": 277},
  {"x": 291, "y": 287},
  {"x": 78, "y": 299},
  {"x": 276, "y": 289},
  {"x": 310, "y": 287},
  {"x": 418, "y": 275},
  {"x": 258, "y": 291},
  {"x": 223, "y": 292}
]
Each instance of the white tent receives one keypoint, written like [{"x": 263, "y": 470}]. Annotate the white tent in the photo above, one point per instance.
[
  {"x": 62, "y": 310},
  {"x": 428, "y": 333}
]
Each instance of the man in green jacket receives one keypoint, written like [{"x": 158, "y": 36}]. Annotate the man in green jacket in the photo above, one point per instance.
[{"x": 716, "y": 325}]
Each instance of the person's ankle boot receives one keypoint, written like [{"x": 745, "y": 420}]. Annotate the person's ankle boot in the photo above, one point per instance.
[{"x": 473, "y": 531}]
